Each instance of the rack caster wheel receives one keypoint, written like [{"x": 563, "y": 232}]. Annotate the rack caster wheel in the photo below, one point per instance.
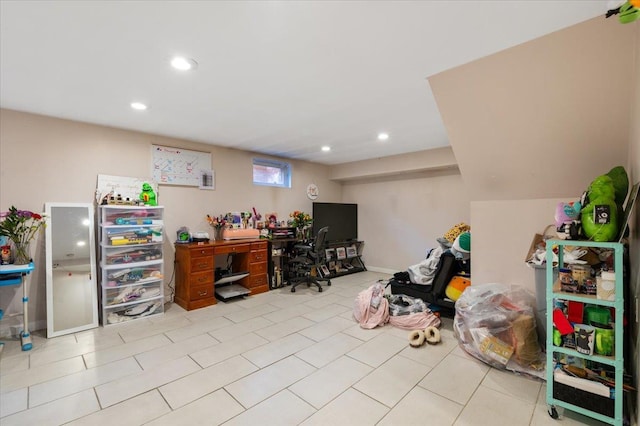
[
  {"x": 320, "y": 290},
  {"x": 553, "y": 413},
  {"x": 293, "y": 289},
  {"x": 329, "y": 282},
  {"x": 25, "y": 341}
]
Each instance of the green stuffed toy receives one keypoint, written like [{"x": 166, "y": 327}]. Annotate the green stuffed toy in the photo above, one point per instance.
[
  {"x": 148, "y": 196},
  {"x": 603, "y": 204}
]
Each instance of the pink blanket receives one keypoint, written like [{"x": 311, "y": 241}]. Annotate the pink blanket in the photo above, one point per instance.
[{"x": 370, "y": 308}]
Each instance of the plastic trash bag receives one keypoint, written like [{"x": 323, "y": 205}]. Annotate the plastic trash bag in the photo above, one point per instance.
[{"x": 496, "y": 324}]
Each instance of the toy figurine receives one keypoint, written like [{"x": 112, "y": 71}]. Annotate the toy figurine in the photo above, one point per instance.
[
  {"x": 6, "y": 255},
  {"x": 148, "y": 196}
]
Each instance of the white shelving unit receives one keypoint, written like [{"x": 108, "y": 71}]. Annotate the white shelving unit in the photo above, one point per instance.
[
  {"x": 131, "y": 263},
  {"x": 607, "y": 409}
]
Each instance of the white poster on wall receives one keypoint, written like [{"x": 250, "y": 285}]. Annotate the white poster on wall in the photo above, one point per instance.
[
  {"x": 177, "y": 166},
  {"x": 123, "y": 186}
]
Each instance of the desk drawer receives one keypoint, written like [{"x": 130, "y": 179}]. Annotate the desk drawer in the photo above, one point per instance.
[
  {"x": 257, "y": 281},
  {"x": 258, "y": 268},
  {"x": 201, "y": 252},
  {"x": 260, "y": 245},
  {"x": 236, "y": 248},
  {"x": 201, "y": 278},
  {"x": 202, "y": 264},
  {"x": 201, "y": 292},
  {"x": 258, "y": 256}
]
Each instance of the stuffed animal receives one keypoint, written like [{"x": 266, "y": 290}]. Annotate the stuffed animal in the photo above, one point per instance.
[
  {"x": 148, "y": 196},
  {"x": 461, "y": 247},
  {"x": 567, "y": 219},
  {"x": 456, "y": 286},
  {"x": 600, "y": 213}
]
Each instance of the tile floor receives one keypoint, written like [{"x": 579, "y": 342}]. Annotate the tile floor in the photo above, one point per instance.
[{"x": 278, "y": 358}]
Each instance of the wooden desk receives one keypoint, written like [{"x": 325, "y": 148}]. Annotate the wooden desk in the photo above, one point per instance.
[{"x": 196, "y": 264}]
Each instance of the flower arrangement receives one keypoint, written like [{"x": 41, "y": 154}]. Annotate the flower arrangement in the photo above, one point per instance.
[
  {"x": 217, "y": 222},
  {"x": 300, "y": 219},
  {"x": 21, "y": 226}
]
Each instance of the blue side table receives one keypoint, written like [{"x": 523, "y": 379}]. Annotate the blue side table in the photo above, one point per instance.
[{"x": 16, "y": 275}]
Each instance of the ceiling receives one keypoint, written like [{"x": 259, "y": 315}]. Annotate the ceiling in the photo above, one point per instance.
[{"x": 281, "y": 78}]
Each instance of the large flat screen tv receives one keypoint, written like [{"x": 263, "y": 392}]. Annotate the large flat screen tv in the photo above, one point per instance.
[{"x": 341, "y": 218}]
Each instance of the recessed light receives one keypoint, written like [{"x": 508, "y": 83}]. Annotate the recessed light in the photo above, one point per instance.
[
  {"x": 326, "y": 148},
  {"x": 383, "y": 136},
  {"x": 184, "y": 64},
  {"x": 139, "y": 106}
]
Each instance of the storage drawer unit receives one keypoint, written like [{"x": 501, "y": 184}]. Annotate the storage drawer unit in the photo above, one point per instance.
[
  {"x": 258, "y": 281},
  {"x": 194, "y": 276},
  {"x": 132, "y": 265}
]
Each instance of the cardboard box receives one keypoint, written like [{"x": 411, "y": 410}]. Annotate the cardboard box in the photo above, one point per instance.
[{"x": 538, "y": 241}]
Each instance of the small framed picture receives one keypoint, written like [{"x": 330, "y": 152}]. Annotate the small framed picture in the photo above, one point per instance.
[
  {"x": 348, "y": 266},
  {"x": 341, "y": 253},
  {"x": 324, "y": 271},
  {"x": 332, "y": 265},
  {"x": 351, "y": 251},
  {"x": 330, "y": 253},
  {"x": 207, "y": 180}
]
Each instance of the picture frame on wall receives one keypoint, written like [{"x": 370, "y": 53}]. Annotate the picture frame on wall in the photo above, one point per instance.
[{"x": 341, "y": 253}]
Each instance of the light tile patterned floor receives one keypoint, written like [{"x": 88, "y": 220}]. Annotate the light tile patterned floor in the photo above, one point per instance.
[{"x": 278, "y": 358}]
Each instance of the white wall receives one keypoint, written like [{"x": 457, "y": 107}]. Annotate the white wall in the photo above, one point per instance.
[
  {"x": 45, "y": 159},
  {"x": 400, "y": 217}
]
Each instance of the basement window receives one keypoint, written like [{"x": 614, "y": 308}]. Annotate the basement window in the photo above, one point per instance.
[{"x": 271, "y": 173}]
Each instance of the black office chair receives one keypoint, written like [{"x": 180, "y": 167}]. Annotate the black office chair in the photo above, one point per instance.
[{"x": 308, "y": 258}]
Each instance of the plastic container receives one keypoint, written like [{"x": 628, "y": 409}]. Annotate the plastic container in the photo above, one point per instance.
[
  {"x": 597, "y": 315},
  {"x": 580, "y": 273},
  {"x": 606, "y": 286}
]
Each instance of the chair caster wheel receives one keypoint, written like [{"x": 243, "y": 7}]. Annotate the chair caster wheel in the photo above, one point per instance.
[
  {"x": 293, "y": 289},
  {"x": 320, "y": 290},
  {"x": 328, "y": 282}
]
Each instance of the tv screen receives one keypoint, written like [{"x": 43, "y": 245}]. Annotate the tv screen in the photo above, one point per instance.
[{"x": 342, "y": 220}]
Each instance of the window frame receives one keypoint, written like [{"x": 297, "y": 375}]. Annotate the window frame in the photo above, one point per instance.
[{"x": 283, "y": 166}]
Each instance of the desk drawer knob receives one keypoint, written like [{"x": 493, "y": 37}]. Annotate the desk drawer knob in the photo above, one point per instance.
[{"x": 203, "y": 293}]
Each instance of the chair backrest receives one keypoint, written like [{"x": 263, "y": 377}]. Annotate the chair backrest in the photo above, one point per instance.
[{"x": 319, "y": 242}]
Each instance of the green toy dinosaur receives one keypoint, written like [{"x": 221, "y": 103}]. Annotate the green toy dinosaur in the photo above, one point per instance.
[{"x": 148, "y": 196}]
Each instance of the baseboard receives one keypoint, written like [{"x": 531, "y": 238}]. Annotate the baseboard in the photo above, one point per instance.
[{"x": 383, "y": 270}]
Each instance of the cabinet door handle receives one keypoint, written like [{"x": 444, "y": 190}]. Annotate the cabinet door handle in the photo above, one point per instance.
[
  {"x": 202, "y": 293},
  {"x": 201, "y": 279},
  {"x": 202, "y": 265}
]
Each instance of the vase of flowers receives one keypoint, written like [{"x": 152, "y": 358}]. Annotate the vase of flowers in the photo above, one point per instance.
[
  {"x": 301, "y": 221},
  {"x": 21, "y": 227},
  {"x": 218, "y": 223}
]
